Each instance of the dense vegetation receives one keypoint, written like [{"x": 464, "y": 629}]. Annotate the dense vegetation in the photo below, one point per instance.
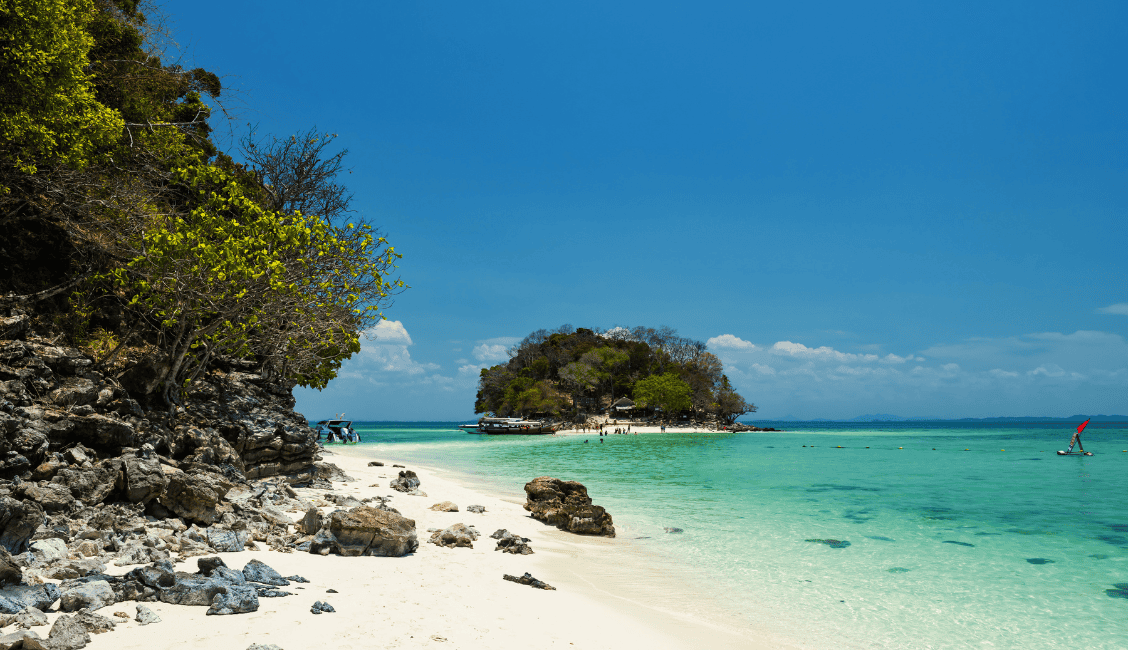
[
  {"x": 126, "y": 231},
  {"x": 568, "y": 373}
]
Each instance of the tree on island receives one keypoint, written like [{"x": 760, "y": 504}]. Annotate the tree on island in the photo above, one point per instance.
[
  {"x": 566, "y": 372},
  {"x": 666, "y": 391}
]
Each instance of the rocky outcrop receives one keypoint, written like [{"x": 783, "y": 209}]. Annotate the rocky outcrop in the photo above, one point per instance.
[
  {"x": 566, "y": 505},
  {"x": 366, "y": 531}
]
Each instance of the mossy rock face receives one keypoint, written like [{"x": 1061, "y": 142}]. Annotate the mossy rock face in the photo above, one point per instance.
[{"x": 833, "y": 543}]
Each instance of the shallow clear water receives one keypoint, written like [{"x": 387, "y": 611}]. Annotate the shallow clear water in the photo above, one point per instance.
[{"x": 953, "y": 542}]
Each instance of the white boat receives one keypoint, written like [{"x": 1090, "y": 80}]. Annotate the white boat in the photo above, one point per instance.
[
  {"x": 337, "y": 431},
  {"x": 514, "y": 427}
]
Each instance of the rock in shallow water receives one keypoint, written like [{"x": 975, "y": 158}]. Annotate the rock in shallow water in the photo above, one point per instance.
[
  {"x": 948, "y": 541},
  {"x": 566, "y": 505},
  {"x": 833, "y": 543},
  {"x": 1039, "y": 560},
  {"x": 672, "y": 529}
]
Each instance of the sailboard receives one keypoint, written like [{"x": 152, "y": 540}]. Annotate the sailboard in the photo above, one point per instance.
[{"x": 1080, "y": 428}]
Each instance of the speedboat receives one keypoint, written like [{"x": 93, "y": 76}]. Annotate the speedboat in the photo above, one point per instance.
[{"x": 337, "y": 431}]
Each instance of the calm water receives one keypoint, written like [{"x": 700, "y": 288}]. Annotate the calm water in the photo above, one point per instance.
[{"x": 952, "y": 542}]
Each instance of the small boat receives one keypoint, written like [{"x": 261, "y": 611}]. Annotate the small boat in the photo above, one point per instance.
[
  {"x": 337, "y": 431},
  {"x": 514, "y": 427}
]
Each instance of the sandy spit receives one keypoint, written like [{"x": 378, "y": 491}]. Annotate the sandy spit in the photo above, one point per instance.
[{"x": 438, "y": 597}]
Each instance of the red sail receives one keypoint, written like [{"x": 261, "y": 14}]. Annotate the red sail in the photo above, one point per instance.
[{"x": 1082, "y": 427}]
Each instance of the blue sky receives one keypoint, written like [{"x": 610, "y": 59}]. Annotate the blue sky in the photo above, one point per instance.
[{"x": 863, "y": 208}]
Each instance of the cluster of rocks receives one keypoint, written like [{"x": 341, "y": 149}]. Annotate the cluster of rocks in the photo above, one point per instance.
[
  {"x": 507, "y": 542},
  {"x": 738, "y": 427},
  {"x": 566, "y": 505}
]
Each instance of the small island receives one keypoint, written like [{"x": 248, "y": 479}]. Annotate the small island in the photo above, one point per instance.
[{"x": 586, "y": 376}]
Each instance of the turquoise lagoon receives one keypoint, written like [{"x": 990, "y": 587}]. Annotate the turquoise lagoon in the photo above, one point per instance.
[{"x": 952, "y": 541}]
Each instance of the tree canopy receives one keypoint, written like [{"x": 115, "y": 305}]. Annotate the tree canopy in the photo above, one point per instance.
[
  {"x": 116, "y": 204},
  {"x": 566, "y": 372}
]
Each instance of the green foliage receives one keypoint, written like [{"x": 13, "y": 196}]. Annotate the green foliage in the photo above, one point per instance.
[
  {"x": 666, "y": 391},
  {"x": 230, "y": 277},
  {"x": 49, "y": 113},
  {"x": 660, "y": 369}
]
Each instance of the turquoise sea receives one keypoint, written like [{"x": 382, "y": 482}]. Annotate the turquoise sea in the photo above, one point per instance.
[{"x": 900, "y": 535}]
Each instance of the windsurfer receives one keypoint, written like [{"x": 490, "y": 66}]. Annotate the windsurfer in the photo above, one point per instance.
[{"x": 1076, "y": 439}]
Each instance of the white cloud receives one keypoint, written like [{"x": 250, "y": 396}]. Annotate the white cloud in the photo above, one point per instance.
[
  {"x": 390, "y": 332},
  {"x": 1120, "y": 308},
  {"x": 824, "y": 352},
  {"x": 494, "y": 350},
  {"x": 486, "y": 352},
  {"x": 731, "y": 342}
]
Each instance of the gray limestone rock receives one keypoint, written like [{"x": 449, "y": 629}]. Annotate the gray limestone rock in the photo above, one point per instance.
[
  {"x": 319, "y": 607},
  {"x": 405, "y": 482},
  {"x": 193, "y": 590},
  {"x": 259, "y": 646},
  {"x": 91, "y": 595},
  {"x": 22, "y": 639},
  {"x": 47, "y": 550},
  {"x": 194, "y": 496},
  {"x": 234, "y": 600},
  {"x": 68, "y": 569},
  {"x": 208, "y": 564},
  {"x": 445, "y": 506},
  {"x": 68, "y": 633},
  {"x": 311, "y": 522},
  {"x": 14, "y": 599},
  {"x": 256, "y": 571},
  {"x": 227, "y": 541},
  {"x": 476, "y": 509},
  {"x": 18, "y": 522},
  {"x": 94, "y": 623},
  {"x": 366, "y": 531},
  {"x": 509, "y": 543},
  {"x": 146, "y": 615},
  {"x": 31, "y": 617},
  {"x": 144, "y": 479}
]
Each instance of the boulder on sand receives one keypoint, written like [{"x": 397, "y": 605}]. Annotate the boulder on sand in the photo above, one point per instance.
[
  {"x": 454, "y": 536},
  {"x": 566, "y": 505},
  {"x": 405, "y": 482},
  {"x": 366, "y": 531}
]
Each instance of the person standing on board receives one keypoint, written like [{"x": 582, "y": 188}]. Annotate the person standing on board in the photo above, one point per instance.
[{"x": 1076, "y": 439}]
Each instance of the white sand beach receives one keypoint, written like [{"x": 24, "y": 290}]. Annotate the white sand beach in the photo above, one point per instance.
[{"x": 445, "y": 597}]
